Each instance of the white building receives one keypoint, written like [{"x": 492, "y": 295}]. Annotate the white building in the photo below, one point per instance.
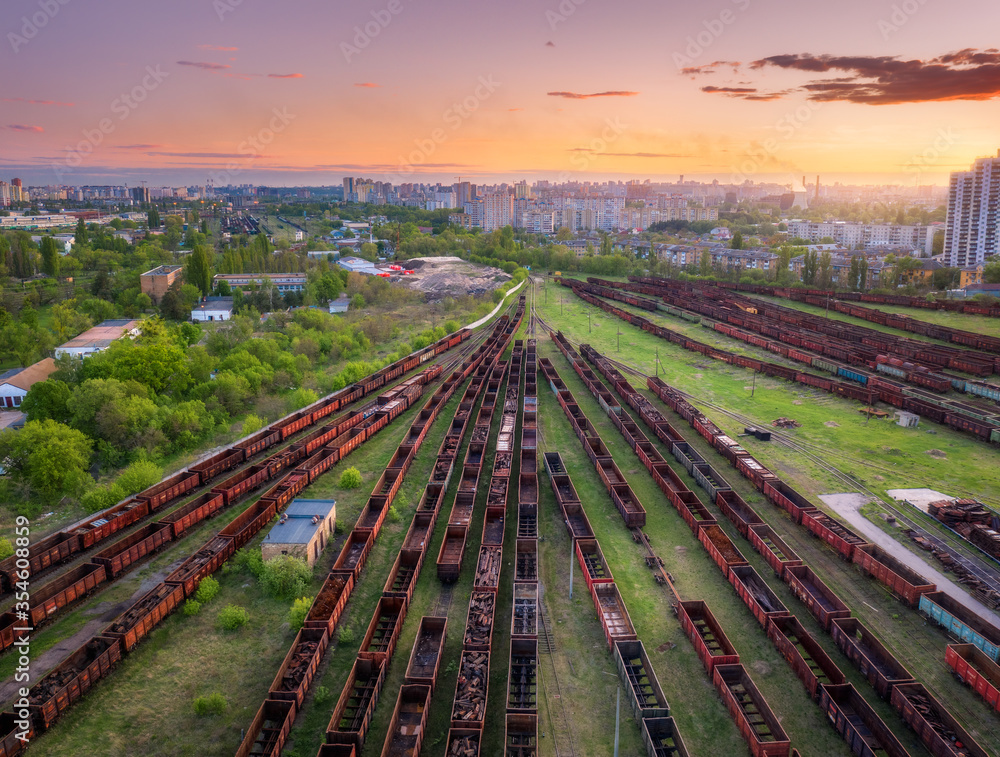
[
  {"x": 213, "y": 309},
  {"x": 98, "y": 338},
  {"x": 851, "y": 235},
  {"x": 971, "y": 232},
  {"x": 15, "y": 383}
]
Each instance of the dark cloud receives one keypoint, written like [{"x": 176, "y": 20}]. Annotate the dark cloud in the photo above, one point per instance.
[
  {"x": 26, "y": 127},
  {"x": 581, "y": 96},
  {"x": 138, "y": 147},
  {"x": 550, "y": 43},
  {"x": 968, "y": 74},
  {"x": 204, "y": 65},
  {"x": 709, "y": 68},
  {"x": 35, "y": 102}
]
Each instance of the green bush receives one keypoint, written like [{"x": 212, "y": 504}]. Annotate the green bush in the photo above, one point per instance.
[
  {"x": 207, "y": 590},
  {"x": 285, "y": 577},
  {"x": 346, "y": 636},
  {"x": 322, "y": 695},
  {"x": 300, "y": 609},
  {"x": 252, "y": 424},
  {"x": 213, "y": 704},
  {"x": 393, "y": 515},
  {"x": 102, "y": 497},
  {"x": 192, "y": 607},
  {"x": 6, "y": 548},
  {"x": 350, "y": 478},
  {"x": 138, "y": 476},
  {"x": 248, "y": 561},
  {"x": 232, "y": 617}
]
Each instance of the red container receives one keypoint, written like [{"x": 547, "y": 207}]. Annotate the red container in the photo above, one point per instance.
[
  {"x": 471, "y": 688},
  {"x": 788, "y": 499},
  {"x": 611, "y": 612},
  {"x": 212, "y": 466},
  {"x": 71, "y": 679},
  {"x": 403, "y": 576},
  {"x": 353, "y": 714},
  {"x": 838, "y": 536},
  {"x": 737, "y": 511},
  {"x": 248, "y": 523},
  {"x": 816, "y": 595},
  {"x": 902, "y": 581},
  {"x": 135, "y": 623},
  {"x": 202, "y": 563},
  {"x": 427, "y": 652},
  {"x": 60, "y": 592},
  {"x": 854, "y": 719},
  {"x": 720, "y": 548},
  {"x": 758, "y": 724},
  {"x": 408, "y": 725},
  {"x": 239, "y": 484},
  {"x": 193, "y": 513},
  {"x": 595, "y": 567},
  {"x": 810, "y": 662},
  {"x": 269, "y": 729},
  {"x": 777, "y": 554},
  {"x": 169, "y": 489},
  {"x": 934, "y": 724},
  {"x": 330, "y": 602},
  {"x": 976, "y": 670},
  {"x": 117, "y": 558},
  {"x": 710, "y": 641},
  {"x": 757, "y": 595},
  {"x": 295, "y": 676},
  {"x": 112, "y": 521},
  {"x": 874, "y": 661},
  {"x": 449, "y": 560}
]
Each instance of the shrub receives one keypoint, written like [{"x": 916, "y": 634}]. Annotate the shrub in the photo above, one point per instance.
[
  {"x": 350, "y": 478},
  {"x": 322, "y": 695},
  {"x": 207, "y": 590},
  {"x": 192, "y": 607},
  {"x": 6, "y": 548},
  {"x": 346, "y": 636},
  {"x": 297, "y": 614},
  {"x": 102, "y": 498},
  {"x": 213, "y": 704},
  {"x": 232, "y": 617},
  {"x": 393, "y": 515},
  {"x": 285, "y": 577},
  {"x": 248, "y": 561},
  {"x": 138, "y": 476},
  {"x": 252, "y": 424},
  {"x": 451, "y": 326}
]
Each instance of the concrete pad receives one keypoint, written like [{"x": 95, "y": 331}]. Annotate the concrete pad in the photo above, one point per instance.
[
  {"x": 848, "y": 501},
  {"x": 919, "y": 498}
]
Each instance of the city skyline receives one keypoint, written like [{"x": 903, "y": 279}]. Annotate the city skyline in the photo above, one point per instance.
[{"x": 239, "y": 92}]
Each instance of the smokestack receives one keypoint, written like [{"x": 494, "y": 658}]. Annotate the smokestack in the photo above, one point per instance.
[
  {"x": 817, "y": 187},
  {"x": 803, "y": 183}
]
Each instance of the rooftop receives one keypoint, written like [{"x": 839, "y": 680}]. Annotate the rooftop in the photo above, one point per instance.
[
  {"x": 102, "y": 334},
  {"x": 25, "y": 378},
  {"x": 163, "y": 270},
  {"x": 300, "y": 528},
  {"x": 214, "y": 303}
]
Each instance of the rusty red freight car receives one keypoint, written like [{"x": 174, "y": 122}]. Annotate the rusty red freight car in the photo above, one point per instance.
[
  {"x": 43, "y": 554},
  {"x": 976, "y": 670},
  {"x": 408, "y": 724},
  {"x": 58, "y": 594},
  {"x": 402, "y": 577},
  {"x": 353, "y": 714},
  {"x": 521, "y": 735},
  {"x": 591, "y": 559},
  {"x": 427, "y": 652},
  {"x": 248, "y": 523},
  {"x": 449, "y": 560},
  {"x": 268, "y": 730},
  {"x": 522, "y": 677},
  {"x": 218, "y": 463},
  {"x": 816, "y": 595},
  {"x": 136, "y": 622},
  {"x": 202, "y": 563},
  {"x": 71, "y": 679},
  {"x": 808, "y": 659},
  {"x": 118, "y": 557},
  {"x": 193, "y": 513},
  {"x": 469, "y": 704},
  {"x": 331, "y": 600},
  {"x": 834, "y": 533},
  {"x": 902, "y": 581},
  {"x": 611, "y": 612},
  {"x": 720, "y": 548},
  {"x": 854, "y": 719},
  {"x": 14, "y": 736},
  {"x": 935, "y": 725},
  {"x": 710, "y": 641},
  {"x": 111, "y": 521},
  {"x": 874, "y": 661},
  {"x": 640, "y": 682},
  {"x": 789, "y": 500},
  {"x": 755, "y": 592},
  {"x": 526, "y": 561},
  {"x": 739, "y": 513},
  {"x": 292, "y": 681},
  {"x": 662, "y": 738},
  {"x": 242, "y": 482},
  {"x": 777, "y": 554},
  {"x": 384, "y": 629},
  {"x": 758, "y": 724},
  {"x": 524, "y": 613},
  {"x": 354, "y": 552},
  {"x": 169, "y": 489}
]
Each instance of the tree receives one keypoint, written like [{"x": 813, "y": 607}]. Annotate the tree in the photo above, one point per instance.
[
  {"x": 852, "y": 277},
  {"x": 863, "y": 274},
  {"x": 991, "y": 272},
  {"x": 357, "y": 302},
  {"x": 285, "y": 577},
  {"x": 23, "y": 342},
  {"x": 810, "y": 267},
  {"x": 50, "y": 256},
  {"x": 706, "y": 263},
  {"x": 825, "y": 270},
  {"x": 47, "y": 400},
  {"x": 737, "y": 241},
  {"x": 50, "y": 457},
  {"x": 80, "y": 237},
  {"x": 937, "y": 244},
  {"x": 153, "y": 218},
  {"x": 198, "y": 271},
  {"x": 564, "y": 234},
  {"x": 66, "y": 321}
]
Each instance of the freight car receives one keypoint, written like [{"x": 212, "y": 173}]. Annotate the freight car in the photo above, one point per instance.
[
  {"x": 854, "y": 719},
  {"x": 875, "y": 662},
  {"x": 758, "y": 724},
  {"x": 427, "y": 652},
  {"x": 901, "y": 580},
  {"x": 640, "y": 682},
  {"x": 976, "y": 670},
  {"x": 409, "y": 721},
  {"x": 816, "y": 595},
  {"x": 710, "y": 641},
  {"x": 937, "y": 728},
  {"x": 961, "y": 622},
  {"x": 756, "y": 594},
  {"x": 353, "y": 713},
  {"x": 662, "y": 739},
  {"x": 810, "y": 662}
]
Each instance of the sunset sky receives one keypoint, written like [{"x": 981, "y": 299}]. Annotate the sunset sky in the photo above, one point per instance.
[{"x": 249, "y": 91}]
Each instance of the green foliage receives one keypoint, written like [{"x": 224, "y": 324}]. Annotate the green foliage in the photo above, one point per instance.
[
  {"x": 139, "y": 475},
  {"x": 298, "y": 612},
  {"x": 346, "y": 636},
  {"x": 232, "y": 617},
  {"x": 322, "y": 695},
  {"x": 102, "y": 497},
  {"x": 991, "y": 272},
  {"x": 207, "y": 590},
  {"x": 357, "y": 302},
  {"x": 350, "y": 478},
  {"x": 393, "y": 515},
  {"x": 191, "y": 607},
  {"x": 451, "y": 326},
  {"x": 252, "y": 424},
  {"x": 47, "y": 399},
  {"x": 6, "y": 548},
  {"x": 213, "y": 704},
  {"x": 50, "y": 256},
  {"x": 301, "y": 398},
  {"x": 285, "y": 577},
  {"x": 249, "y": 561},
  {"x": 47, "y": 456}
]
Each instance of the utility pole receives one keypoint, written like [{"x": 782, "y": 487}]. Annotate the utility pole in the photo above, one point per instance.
[
  {"x": 618, "y": 715},
  {"x": 656, "y": 365},
  {"x": 571, "y": 574},
  {"x": 754, "y": 387}
]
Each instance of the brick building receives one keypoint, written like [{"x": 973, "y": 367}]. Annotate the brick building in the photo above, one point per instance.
[
  {"x": 303, "y": 531},
  {"x": 157, "y": 281}
]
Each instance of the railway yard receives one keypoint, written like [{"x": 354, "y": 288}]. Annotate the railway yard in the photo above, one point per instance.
[{"x": 577, "y": 525}]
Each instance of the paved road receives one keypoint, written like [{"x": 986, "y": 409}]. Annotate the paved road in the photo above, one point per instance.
[{"x": 848, "y": 506}]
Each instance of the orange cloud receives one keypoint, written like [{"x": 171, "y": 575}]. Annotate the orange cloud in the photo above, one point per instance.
[
  {"x": 24, "y": 127},
  {"x": 367, "y": 84},
  {"x": 580, "y": 96},
  {"x": 286, "y": 76}
]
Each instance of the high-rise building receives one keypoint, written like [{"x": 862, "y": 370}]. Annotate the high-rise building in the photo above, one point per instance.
[
  {"x": 348, "y": 188},
  {"x": 971, "y": 232}
]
